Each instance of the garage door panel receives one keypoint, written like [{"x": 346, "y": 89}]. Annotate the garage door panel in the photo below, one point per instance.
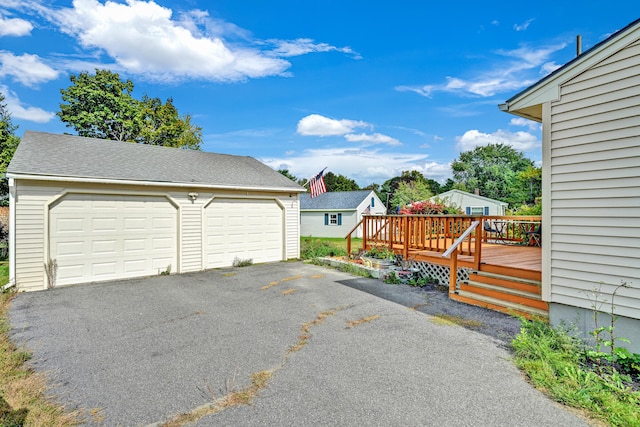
[
  {"x": 104, "y": 247},
  {"x": 244, "y": 229},
  {"x": 69, "y": 225},
  {"x": 108, "y": 237}
]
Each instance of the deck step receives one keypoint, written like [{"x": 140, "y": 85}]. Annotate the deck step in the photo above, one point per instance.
[
  {"x": 506, "y": 277},
  {"x": 498, "y": 304},
  {"x": 505, "y": 294}
]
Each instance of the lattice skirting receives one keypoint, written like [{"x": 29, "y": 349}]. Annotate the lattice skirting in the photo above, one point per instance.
[{"x": 440, "y": 272}]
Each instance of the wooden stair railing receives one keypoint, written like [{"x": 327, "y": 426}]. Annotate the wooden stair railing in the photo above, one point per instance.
[
  {"x": 348, "y": 237},
  {"x": 452, "y": 252}
]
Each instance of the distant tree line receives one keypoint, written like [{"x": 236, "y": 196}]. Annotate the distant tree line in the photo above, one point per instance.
[{"x": 496, "y": 171}]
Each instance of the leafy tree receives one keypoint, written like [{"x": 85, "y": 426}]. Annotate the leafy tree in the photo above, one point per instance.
[
  {"x": 101, "y": 106},
  {"x": 493, "y": 169},
  {"x": 161, "y": 125},
  {"x": 531, "y": 180},
  {"x": 8, "y": 144},
  {"x": 338, "y": 182},
  {"x": 390, "y": 186},
  {"x": 412, "y": 191}
]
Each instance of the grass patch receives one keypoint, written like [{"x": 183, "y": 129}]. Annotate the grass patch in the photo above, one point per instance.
[
  {"x": 317, "y": 247},
  {"x": 554, "y": 360},
  {"x": 4, "y": 273},
  {"x": 22, "y": 390},
  {"x": 231, "y": 398},
  {"x": 447, "y": 319}
]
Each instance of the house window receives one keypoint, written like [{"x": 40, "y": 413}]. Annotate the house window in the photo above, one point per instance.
[
  {"x": 332, "y": 219},
  {"x": 373, "y": 202},
  {"x": 477, "y": 210}
]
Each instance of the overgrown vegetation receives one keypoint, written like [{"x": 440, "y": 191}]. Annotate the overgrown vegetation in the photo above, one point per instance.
[
  {"x": 315, "y": 247},
  {"x": 237, "y": 262},
  {"x": 22, "y": 391},
  {"x": 558, "y": 363}
]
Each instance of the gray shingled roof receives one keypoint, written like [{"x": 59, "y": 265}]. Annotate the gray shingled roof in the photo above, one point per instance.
[
  {"x": 51, "y": 155},
  {"x": 343, "y": 200}
]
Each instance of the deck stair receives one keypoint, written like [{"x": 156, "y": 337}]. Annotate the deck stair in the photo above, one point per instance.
[{"x": 506, "y": 293}]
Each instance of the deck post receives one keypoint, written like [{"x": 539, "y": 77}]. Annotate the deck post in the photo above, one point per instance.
[
  {"x": 477, "y": 254},
  {"x": 407, "y": 237},
  {"x": 453, "y": 272},
  {"x": 365, "y": 231}
]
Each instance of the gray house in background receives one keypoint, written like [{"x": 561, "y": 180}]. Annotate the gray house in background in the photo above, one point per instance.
[
  {"x": 590, "y": 115},
  {"x": 472, "y": 204},
  {"x": 336, "y": 213}
]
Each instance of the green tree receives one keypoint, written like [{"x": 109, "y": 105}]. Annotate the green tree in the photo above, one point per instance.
[
  {"x": 8, "y": 144},
  {"x": 390, "y": 186},
  {"x": 101, "y": 106},
  {"x": 531, "y": 181},
  {"x": 160, "y": 124},
  {"x": 339, "y": 182},
  {"x": 493, "y": 169},
  {"x": 412, "y": 191}
]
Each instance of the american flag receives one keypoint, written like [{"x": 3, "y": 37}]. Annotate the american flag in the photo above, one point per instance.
[
  {"x": 316, "y": 185},
  {"x": 368, "y": 210}
]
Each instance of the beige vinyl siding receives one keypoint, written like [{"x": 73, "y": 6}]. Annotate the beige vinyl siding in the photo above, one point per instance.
[
  {"x": 191, "y": 237},
  {"x": 30, "y": 224},
  {"x": 292, "y": 225},
  {"x": 595, "y": 185},
  {"x": 32, "y": 216}
]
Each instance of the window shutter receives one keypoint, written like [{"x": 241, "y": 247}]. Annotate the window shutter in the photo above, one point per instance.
[
  {"x": 486, "y": 210},
  {"x": 326, "y": 219},
  {"x": 468, "y": 210},
  {"x": 339, "y": 219}
]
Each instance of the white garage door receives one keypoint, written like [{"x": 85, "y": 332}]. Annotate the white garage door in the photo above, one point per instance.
[
  {"x": 107, "y": 237},
  {"x": 243, "y": 229}
]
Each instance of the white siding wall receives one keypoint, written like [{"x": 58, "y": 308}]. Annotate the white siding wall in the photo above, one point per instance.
[
  {"x": 595, "y": 185},
  {"x": 312, "y": 224},
  {"x": 31, "y": 227}
]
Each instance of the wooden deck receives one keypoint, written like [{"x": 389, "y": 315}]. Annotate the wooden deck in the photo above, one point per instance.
[
  {"x": 510, "y": 256},
  {"x": 503, "y": 275}
]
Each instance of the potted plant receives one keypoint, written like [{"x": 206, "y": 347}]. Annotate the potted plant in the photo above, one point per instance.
[{"x": 380, "y": 257}]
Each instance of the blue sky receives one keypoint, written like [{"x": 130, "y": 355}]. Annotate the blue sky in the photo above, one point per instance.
[{"x": 366, "y": 88}]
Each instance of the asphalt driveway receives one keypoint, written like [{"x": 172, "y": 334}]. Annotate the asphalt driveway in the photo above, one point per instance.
[{"x": 139, "y": 352}]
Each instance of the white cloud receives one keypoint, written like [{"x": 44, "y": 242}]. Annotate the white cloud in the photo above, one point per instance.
[
  {"x": 317, "y": 125},
  {"x": 26, "y": 69},
  {"x": 508, "y": 75},
  {"x": 20, "y": 111},
  {"x": 376, "y": 138},
  {"x": 523, "y": 26},
  {"x": 143, "y": 38},
  {"x": 522, "y": 141},
  {"x": 287, "y": 48},
  {"x": 363, "y": 165},
  {"x": 14, "y": 27},
  {"x": 521, "y": 121},
  {"x": 548, "y": 68}
]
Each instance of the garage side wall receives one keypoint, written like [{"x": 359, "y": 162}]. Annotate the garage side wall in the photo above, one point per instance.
[{"x": 32, "y": 200}]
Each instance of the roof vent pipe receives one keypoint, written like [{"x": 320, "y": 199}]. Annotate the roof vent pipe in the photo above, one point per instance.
[{"x": 578, "y": 45}]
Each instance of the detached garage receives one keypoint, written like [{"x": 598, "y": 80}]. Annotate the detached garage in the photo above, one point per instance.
[{"x": 93, "y": 210}]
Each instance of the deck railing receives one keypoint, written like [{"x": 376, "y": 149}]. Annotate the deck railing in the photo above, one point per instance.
[
  {"x": 437, "y": 233},
  {"x": 512, "y": 229}
]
